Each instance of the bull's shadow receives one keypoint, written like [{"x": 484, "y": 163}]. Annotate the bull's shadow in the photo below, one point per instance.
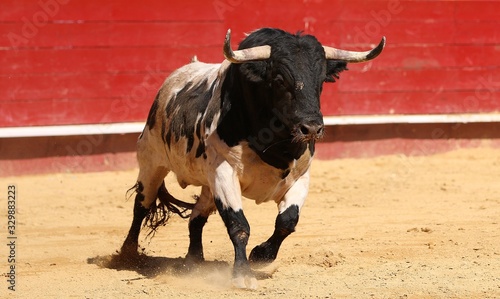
[{"x": 152, "y": 266}]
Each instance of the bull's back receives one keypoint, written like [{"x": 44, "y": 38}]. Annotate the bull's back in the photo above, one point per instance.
[{"x": 178, "y": 117}]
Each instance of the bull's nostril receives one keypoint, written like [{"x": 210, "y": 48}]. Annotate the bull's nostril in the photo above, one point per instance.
[
  {"x": 304, "y": 130},
  {"x": 320, "y": 130}
]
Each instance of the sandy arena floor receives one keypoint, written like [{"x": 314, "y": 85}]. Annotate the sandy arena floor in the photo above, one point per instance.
[{"x": 387, "y": 227}]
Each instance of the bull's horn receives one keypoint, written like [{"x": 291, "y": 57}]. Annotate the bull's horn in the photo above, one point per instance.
[
  {"x": 241, "y": 56},
  {"x": 353, "y": 56}
]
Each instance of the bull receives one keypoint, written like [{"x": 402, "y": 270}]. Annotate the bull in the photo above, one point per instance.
[{"x": 244, "y": 127}]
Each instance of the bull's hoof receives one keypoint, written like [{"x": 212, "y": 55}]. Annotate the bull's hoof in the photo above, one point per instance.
[
  {"x": 194, "y": 258},
  {"x": 129, "y": 250},
  {"x": 263, "y": 254},
  {"x": 127, "y": 258},
  {"x": 195, "y": 255},
  {"x": 191, "y": 261},
  {"x": 245, "y": 282},
  {"x": 243, "y": 276}
]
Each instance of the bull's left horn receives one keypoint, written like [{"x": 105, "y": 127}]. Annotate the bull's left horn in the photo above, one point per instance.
[
  {"x": 353, "y": 56},
  {"x": 244, "y": 55}
]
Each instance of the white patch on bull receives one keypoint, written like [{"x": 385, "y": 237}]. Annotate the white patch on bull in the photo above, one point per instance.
[
  {"x": 222, "y": 176},
  {"x": 297, "y": 194},
  {"x": 299, "y": 85},
  {"x": 197, "y": 124},
  {"x": 198, "y": 118},
  {"x": 225, "y": 185},
  {"x": 213, "y": 126}
]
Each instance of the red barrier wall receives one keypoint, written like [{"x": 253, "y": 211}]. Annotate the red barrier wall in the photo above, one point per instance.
[{"x": 76, "y": 62}]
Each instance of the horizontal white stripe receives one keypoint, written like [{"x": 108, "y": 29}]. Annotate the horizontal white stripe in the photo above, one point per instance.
[
  {"x": 69, "y": 130},
  {"x": 137, "y": 127},
  {"x": 411, "y": 119}
]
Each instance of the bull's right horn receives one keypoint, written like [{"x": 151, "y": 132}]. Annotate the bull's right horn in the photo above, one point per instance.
[
  {"x": 353, "y": 56},
  {"x": 244, "y": 55}
]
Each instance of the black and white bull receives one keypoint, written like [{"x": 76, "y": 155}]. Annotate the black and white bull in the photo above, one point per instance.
[{"x": 245, "y": 127}]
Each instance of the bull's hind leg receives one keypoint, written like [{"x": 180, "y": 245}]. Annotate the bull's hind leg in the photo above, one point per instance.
[
  {"x": 203, "y": 208},
  {"x": 287, "y": 219},
  {"x": 146, "y": 190},
  {"x": 152, "y": 172}
]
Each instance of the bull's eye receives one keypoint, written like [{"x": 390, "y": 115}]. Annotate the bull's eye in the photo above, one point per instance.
[
  {"x": 276, "y": 124},
  {"x": 279, "y": 81}
]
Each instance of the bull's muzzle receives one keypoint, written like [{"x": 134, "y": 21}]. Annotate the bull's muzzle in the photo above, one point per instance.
[{"x": 309, "y": 131}]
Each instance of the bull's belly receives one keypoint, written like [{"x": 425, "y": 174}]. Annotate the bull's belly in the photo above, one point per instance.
[
  {"x": 188, "y": 169},
  {"x": 258, "y": 180}
]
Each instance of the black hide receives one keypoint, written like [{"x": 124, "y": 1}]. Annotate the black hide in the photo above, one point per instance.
[{"x": 272, "y": 104}]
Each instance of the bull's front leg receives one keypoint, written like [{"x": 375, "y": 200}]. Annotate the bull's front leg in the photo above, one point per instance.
[
  {"x": 287, "y": 219},
  {"x": 227, "y": 197}
]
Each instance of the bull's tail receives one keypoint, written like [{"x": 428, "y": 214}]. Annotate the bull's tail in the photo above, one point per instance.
[{"x": 161, "y": 210}]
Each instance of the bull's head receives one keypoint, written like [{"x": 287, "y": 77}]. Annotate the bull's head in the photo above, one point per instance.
[{"x": 287, "y": 74}]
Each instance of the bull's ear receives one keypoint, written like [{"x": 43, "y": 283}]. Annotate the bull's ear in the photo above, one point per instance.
[{"x": 333, "y": 69}]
